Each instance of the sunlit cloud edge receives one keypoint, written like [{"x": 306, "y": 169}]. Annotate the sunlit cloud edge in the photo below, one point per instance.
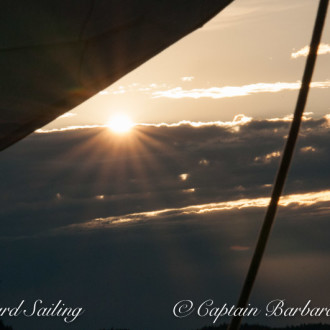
[
  {"x": 304, "y": 200},
  {"x": 238, "y": 120},
  {"x": 68, "y": 128},
  {"x": 67, "y": 115},
  {"x": 235, "y": 91},
  {"x": 303, "y": 52}
]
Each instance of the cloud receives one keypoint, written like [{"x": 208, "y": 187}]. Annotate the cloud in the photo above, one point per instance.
[
  {"x": 237, "y": 121},
  {"x": 306, "y": 199},
  {"x": 59, "y": 196},
  {"x": 235, "y": 91},
  {"x": 215, "y": 92},
  {"x": 169, "y": 232},
  {"x": 67, "y": 115},
  {"x": 138, "y": 87},
  {"x": 204, "y": 162},
  {"x": 303, "y": 52},
  {"x": 187, "y": 79},
  {"x": 190, "y": 190},
  {"x": 305, "y": 116},
  {"x": 268, "y": 158},
  {"x": 68, "y": 128},
  {"x": 184, "y": 176},
  {"x": 307, "y": 149},
  {"x": 98, "y": 175}
]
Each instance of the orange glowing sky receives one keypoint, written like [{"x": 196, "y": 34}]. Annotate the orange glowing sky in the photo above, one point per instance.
[{"x": 249, "y": 59}]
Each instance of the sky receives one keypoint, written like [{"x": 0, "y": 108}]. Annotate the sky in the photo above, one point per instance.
[
  {"x": 127, "y": 224},
  {"x": 242, "y": 61},
  {"x": 126, "y": 229}
]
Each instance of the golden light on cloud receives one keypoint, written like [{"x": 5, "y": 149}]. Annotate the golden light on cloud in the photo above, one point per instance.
[
  {"x": 65, "y": 129},
  {"x": 235, "y": 91},
  {"x": 68, "y": 115},
  {"x": 303, "y": 200},
  {"x": 307, "y": 149},
  {"x": 268, "y": 158},
  {"x": 120, "y": 124},
  {"x": 238, "y": 120},
  {"x": 184, "y": 176},
  {"x": 322, "y": 50},
  {"x": 190, "y": 190}
]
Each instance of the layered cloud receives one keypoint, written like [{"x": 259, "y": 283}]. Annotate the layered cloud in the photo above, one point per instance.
[
  {"x": 82, "y": 173},
  {"x": 236, "y": 122},
  {"x": 218, "y": 92},
  {"x": 114, "y": 223},
  {"x": 306, "y": 199},
  {"x": 234, "y": 91},
  {"x": 269, "y": 157}
]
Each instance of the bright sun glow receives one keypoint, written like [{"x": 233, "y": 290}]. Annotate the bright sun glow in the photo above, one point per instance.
[{"x": 120, "y": 124}]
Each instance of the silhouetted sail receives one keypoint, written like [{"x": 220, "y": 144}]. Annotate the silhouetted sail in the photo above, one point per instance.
[{"x": 56, "y": 54}]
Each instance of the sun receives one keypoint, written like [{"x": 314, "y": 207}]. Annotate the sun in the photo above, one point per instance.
[{"x": 120, "y": 124}]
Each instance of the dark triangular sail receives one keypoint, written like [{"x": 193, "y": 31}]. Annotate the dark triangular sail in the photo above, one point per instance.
[{"x": 56, "y": 54}]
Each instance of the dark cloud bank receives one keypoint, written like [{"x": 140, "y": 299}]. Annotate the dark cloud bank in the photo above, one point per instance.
[{"x": 131, "y": 274}]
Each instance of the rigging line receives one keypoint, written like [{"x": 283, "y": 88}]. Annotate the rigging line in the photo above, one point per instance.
[{"x": 284, "y": 166}]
